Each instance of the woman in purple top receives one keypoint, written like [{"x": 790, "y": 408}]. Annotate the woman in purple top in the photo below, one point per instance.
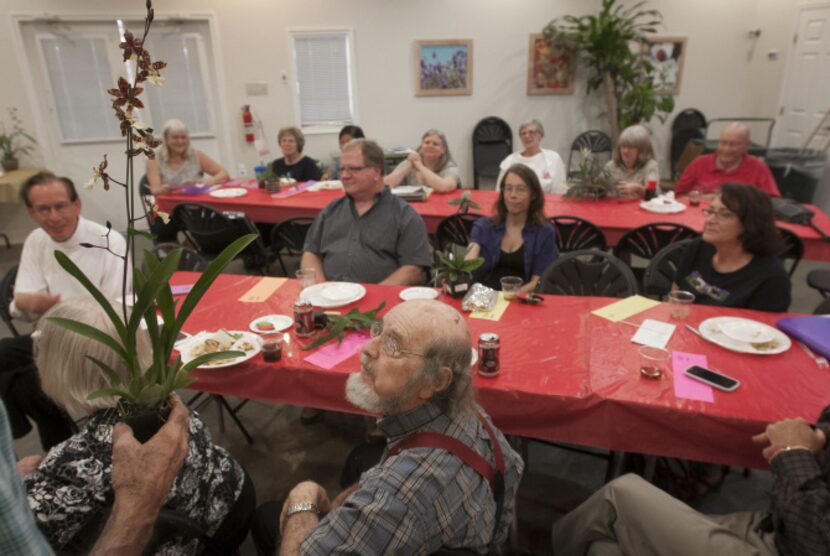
[{"x": 517, "y": 240}]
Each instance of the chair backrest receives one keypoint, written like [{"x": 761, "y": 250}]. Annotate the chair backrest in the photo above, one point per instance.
[
  {"x": 588, "y": 272},
  {"x": 690, "y": 118},
  {"x": 6, "y": 297},
  {"x": 208, "y": 229},
  {"x": 594, "y": 140},
  {"x": 646, "y": 241},
  {"x": 662, "y": 269},
  {"x": 492, "y": 143},
  {"x": 455, "y": 229},
  {"x": 793, "y": 248},
  {"x": 290, "y": 234},
  {"x": 574, "y": 233},
  {"x": 823, "y": 308},
  {"x": 190, "y": 259}
]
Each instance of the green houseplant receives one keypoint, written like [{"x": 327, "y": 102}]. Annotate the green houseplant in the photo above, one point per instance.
[
  {"x": 604, "y": 43},
  {"x": 147, "y": 390},
  {"x": 453, "y": 272},
  {"x": 14, "y": 142},
  {"x": 591, "y": 180}
]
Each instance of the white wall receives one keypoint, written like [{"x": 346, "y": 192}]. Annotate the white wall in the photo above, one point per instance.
[{"x": 726, "y": 73}]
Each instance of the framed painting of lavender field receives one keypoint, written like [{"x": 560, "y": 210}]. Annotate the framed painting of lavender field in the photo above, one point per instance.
[
  {"x": 443, "y": 67},
  {"x": 666, "y": 55},
  {"x": 550, "y": 71}
]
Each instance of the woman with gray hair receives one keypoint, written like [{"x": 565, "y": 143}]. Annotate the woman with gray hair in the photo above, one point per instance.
[
  {"x": 177, "y": 163},
  {"x": 73, "y": 483},
  {"x": 294, "y": 164},
  {"x": 431, "y": 165},
  {"x": 633, "y": 164},
  {"x": 547, "y": 164}
]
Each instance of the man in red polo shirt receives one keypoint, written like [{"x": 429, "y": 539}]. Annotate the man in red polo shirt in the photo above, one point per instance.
[{"x": 729, "y": 164}]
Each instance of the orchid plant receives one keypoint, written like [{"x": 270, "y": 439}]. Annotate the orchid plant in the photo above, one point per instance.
[{"x": 147, "y": 388}]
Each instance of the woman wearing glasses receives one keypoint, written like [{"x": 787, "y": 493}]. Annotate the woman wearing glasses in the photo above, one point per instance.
[
  {"x": 547, "y": 164},
  {"x": 735, "y": 263},
  {"x": 517, "y": 240}
]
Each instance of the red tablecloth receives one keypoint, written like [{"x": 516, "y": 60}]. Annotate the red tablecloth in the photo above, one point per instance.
[
  {"x": 566, "y": 375},
  {"x": 614, "y": 217}
]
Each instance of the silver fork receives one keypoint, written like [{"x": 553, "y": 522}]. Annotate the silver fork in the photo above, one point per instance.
[{"x": 820, "y": 361}]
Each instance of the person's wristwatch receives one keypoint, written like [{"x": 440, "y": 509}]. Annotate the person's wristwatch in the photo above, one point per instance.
[{"x": 302, "y": 507}]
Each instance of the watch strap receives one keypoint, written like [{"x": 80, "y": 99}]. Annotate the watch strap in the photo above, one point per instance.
[{"x": 302, "y": 507}]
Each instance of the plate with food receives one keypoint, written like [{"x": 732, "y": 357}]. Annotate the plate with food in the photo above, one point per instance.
[
  {"x": 333, "y": 294},
  {"x": 418, "y": 292},
  {"x": 229, "y": 192},
  {"x": 271, "y": 323},
  {"x": 745, "y": 335},
  {"x": 220, "y": 340},
  {"x": 663, "y": 205}
]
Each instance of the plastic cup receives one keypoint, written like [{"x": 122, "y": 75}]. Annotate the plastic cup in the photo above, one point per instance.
[
  {"x": 694, "y": 197},
  {"x": 272, "y": 347},
  {"x": 307, "y": 277},
  {"x": 510, "y": 287},
  {"x": 680, "y": 303},
  {"x": 653, "y": 362}
]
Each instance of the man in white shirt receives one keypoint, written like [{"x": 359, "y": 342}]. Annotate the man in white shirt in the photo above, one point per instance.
[{"x": 41, "y": 282}]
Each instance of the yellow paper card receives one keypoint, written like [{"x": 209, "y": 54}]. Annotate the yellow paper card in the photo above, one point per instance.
[
  {"x": 262, "y": 290},
  {"x": 495, "y": 313},
  {"x": 620, "y": 310}
]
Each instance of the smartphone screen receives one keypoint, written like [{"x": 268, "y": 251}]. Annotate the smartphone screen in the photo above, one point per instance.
[{"x": 713, "y": 378}]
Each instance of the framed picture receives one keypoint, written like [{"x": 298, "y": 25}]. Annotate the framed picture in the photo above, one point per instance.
[
  {"x": 666, "y": 54},
  {"x": 443, "y": 67},
  {"x": 550, "y": 70}
]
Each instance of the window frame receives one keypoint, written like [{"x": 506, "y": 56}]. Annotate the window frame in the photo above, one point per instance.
[{"x": 304, "y": 32}]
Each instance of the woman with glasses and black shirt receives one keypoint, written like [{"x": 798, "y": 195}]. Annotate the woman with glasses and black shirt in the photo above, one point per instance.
[{"x": 735, "y": 263}]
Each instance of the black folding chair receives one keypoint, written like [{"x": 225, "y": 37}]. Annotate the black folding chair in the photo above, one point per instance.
[
  {"x": 646, "y": 241},
  {"x": 455, "y": 230},
  {"x": 793, "y": 248},
  {"x": 574, "y": 233},
  {"x": 288, "y": 237},
  {"x": 210, "y": 231},
  {"x": 190, "y": 259},
  {"x": 492, "y": 143},
  {"x": 660, "y": 273},
  {"x": 594, "y": 140},
  {"x": 588, "y": 272},
  {"x": 819, "y": 279},
  {"x": 6, "y": 298},
  {"x": 688, "y": 125}
]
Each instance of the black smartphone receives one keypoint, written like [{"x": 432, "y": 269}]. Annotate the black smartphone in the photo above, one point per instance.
[{"x": 712, "y": 378}]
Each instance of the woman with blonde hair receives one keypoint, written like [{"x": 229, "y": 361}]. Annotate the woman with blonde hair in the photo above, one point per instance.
[
  {"x": 73, "y": 483},
  {"x": 431, "y": 165},
  {"x": 633, "y": 165}
]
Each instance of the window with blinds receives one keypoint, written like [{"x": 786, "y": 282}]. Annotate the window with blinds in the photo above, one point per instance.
[{"x": 323, "y": 70}]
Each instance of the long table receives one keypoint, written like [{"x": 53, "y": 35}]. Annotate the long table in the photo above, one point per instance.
[
  {"x": 566, "y": 375},
  {"x": 614, "y": 217}
]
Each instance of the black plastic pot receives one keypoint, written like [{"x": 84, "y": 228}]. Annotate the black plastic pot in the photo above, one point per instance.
[
  {"x": 458, "y": 288},
  {"x": 148, "y": 423}
]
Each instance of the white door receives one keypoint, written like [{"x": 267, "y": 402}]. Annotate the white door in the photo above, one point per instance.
[{"x": 806, "y": 93}]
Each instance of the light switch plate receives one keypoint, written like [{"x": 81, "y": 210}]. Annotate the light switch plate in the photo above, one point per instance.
[{"x": 260, "y": 88}]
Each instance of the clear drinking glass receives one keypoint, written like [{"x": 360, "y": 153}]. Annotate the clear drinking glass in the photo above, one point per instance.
[
  {"x": 510, "y": 286},
  {"x": 653, "y": 362},
  {"x": 307, "y": 277},
  {"x": 680, "y": 303}
]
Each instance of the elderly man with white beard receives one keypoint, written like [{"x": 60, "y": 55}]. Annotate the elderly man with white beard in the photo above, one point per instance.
[{"x": 448, "y": 478}]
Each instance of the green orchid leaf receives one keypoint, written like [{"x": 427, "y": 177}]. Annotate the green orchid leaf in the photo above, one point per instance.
[
  {"x": 115, "y": 392},
  {"x": 108, "y": 371},
  {"x": 207, "y": 357}
]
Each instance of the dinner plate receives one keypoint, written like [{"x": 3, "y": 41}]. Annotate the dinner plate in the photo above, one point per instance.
[
  {"x": 748, "y": 331},
  {"x": 278, "y": 323},
  {"x": 418, "y": 292},
  {"x": 186, "y": 348},
  {"x": 229, "y": 192},
  {"x": 713, "y": 330},
  {"x": 333, "y": 294},
  {"x": 663, "y": 208}
]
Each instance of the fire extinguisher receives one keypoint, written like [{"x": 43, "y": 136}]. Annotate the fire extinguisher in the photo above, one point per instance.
[{"x": 248, "y": 123}]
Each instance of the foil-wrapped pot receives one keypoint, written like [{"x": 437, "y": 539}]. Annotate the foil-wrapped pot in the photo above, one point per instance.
[{"x": 479, "y": 298}]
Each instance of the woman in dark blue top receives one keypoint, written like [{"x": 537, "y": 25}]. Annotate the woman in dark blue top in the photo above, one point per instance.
[{"x": 517, "y": 240}]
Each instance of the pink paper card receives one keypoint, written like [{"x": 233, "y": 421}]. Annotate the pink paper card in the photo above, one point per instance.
[
  {"x": 181, "y": 289},
  {"x": 293, "y": 191},
  {"x": 330, "y": 355},
  {"x": 685, "y": 387}
]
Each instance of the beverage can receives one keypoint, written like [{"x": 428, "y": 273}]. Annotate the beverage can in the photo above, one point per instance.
[
  {"x": 303, "y": 318},
  {"x": 489, "y": 347}
]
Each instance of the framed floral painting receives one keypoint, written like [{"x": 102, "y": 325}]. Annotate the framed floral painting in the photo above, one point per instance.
[
  {"x": 443, "y": 67},
  {"x": 550, "y": 70},
  {"x": 666, "y": 55}
]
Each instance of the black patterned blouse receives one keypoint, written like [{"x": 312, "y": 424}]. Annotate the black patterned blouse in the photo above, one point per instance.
[{"x": 74, "y": 482}]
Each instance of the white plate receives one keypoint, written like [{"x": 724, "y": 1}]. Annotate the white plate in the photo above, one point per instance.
[
  {"x": 333, "y": 294},
  {"x": 663, "y": 208},
  {"x": 712, "y": 330},
  {"x": 474, "y": 359},
  {"x": 748, "y": 331},
  {"x": 418, "y": 292},
  {"x": 229, "y": 192},
  {"x": 187, "y": 346},
  {"x": 130, "y": 300},
  {"x": 279, "y": 322}
]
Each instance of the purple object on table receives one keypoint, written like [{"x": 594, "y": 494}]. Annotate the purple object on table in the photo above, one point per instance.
[
  {"x": 181, "y": 289},
  {"x": 193, "y": 189},
  {"x": 813, "y": 331}
]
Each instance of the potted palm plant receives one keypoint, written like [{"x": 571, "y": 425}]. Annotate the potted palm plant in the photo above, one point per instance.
[
  {"x": 14, "y": 142},
  {"x": 144, "y": 396},
  {"x": 591, "y": 181}
]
